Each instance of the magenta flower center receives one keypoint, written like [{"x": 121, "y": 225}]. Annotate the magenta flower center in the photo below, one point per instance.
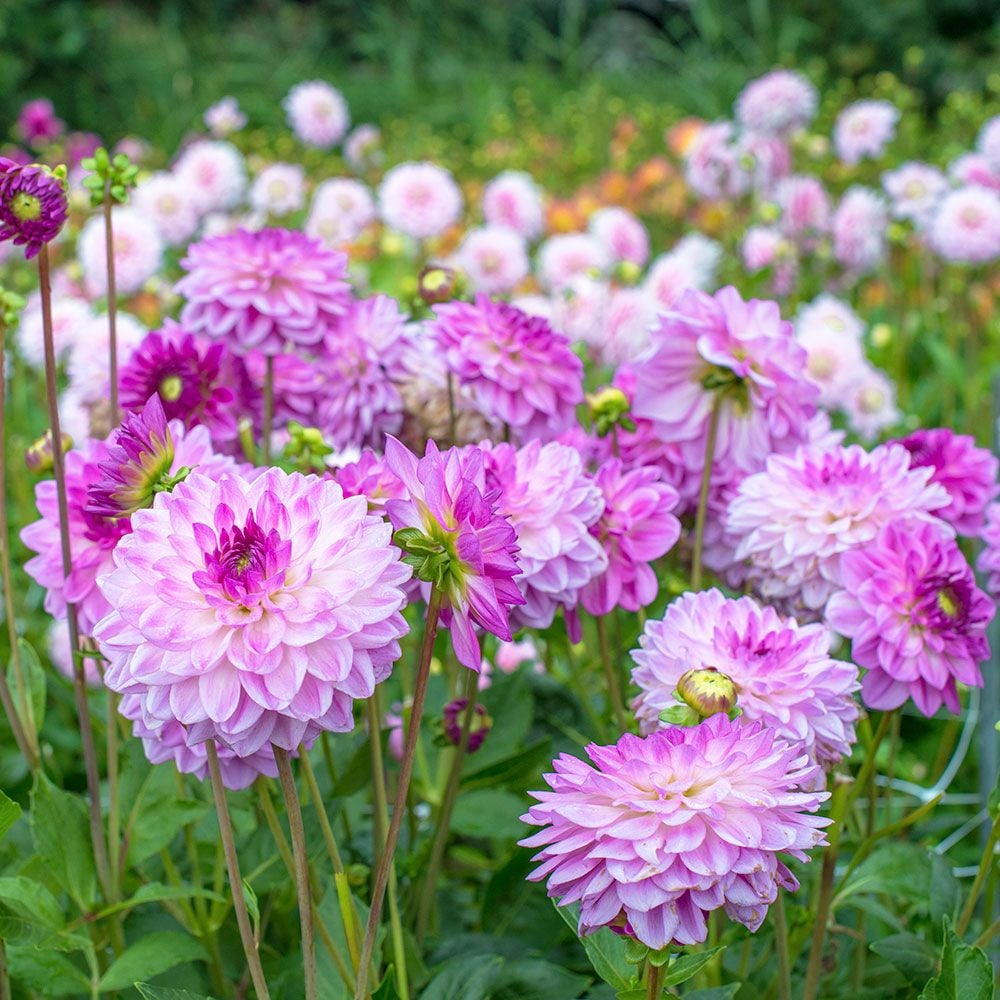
[{"x": 247, "y": 566}]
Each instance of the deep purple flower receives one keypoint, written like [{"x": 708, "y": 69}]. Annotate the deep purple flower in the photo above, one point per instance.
[
  {"x": 454, "y": 719},
  {"x": 33, "y": 205}
]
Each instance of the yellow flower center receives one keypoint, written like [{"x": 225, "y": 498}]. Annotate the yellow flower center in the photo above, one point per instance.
[
  {"x": 170, "y": 388},
  {"x": 26, "y": 206},
  {"x": 947, "y": 602}
]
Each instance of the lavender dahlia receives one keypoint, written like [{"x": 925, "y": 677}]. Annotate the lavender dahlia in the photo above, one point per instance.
[
  {"x": 662, "y": 830},
  {"x": 33, "y": 205},
  {"x": 989, "y": 558},
  {"x": 783, "y": 671},
  {"x": 253, "y": 613},
  {"x": 917, "y": 621}
]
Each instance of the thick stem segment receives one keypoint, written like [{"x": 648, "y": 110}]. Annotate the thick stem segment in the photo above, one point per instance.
[
  {"x": 402, "y": 790},
  {"x": 654, "y": 980},
  {"x": 109, "y": 252}
]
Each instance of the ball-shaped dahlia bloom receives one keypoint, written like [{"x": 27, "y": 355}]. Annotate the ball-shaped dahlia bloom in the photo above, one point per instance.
[
  {"x": 493, "y": 258},
  {"x": 70, "y": 313},
  {"x": 342, "y": 208},
  {"x": 458, "y": 540},
  {"x": 989, "y": 558},
  {"x": 796, "y": 519},
  {"x": 863, "y": 129},
  {"x": 163, "y": 200},
  {"x": 33, "y": 205},
  {"x": 279, "y": 189},
  {"x": 859, "y": 230},
  {"x": 833, "y": 361},
  {"x": 37, "y": 122},
  {"x": 966, "y": 471},
  {"x": 777, "y": 103},
  {"x": 966, "y": 226},
  {"x": 224, "y": 117},
  {"x": 518, "y": 370},
  {"x": 623, "y": 236},
  {"x": 916, "y": 619},
  {"x": 566, "y": 256},
  {"x": 660, "y": 831},
  {"x": 317, "y": 113},
  {"x": 869, "y": 401},
  {"x": 738, "y": 359},
  {"x": 514, "y": 200},
  {"x": 138, "y": 251},
  {"x": 552, "y": 504},
  {"x": 832, "y": 315},
  {"x": 253, "y": 612},
  {"x": 691, "y": 264},
  {"x": 805, "y": 209},
  {"x": 784, "y": 675},
  {"x": 363, "y": 147},
  {"x": 263, "y": 291},
  {"x": 213, "y": 175},
  {"x": 419, "y": 199},
  {"x": 713, "y": 166},
  {"x": 915, "y": 189}
]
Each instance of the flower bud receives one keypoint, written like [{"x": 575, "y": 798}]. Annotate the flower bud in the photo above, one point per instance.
[
  {"x": 437, "y": 283},
  {"x": 38, "y": 456},
  {"x": 609, "y": 408},
  {"x": 454, "y": 719},
  {"x": 707, "y": 691}
]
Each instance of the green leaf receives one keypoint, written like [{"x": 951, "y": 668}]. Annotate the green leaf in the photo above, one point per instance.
[
  {"x": 726, "y": 992},
  {"x": 913, "y": 956},
  {"x": 906, "y": 871},
  {"x": 488, "y": 814},
  {"x": 30, "y": 899},
  {"x": 605, "y": 949},
  {"x": 534, "y": 979},
  {"x": 966, "y": 972},
  {"x": 518, "y": 768},
  {"x": 149, "y": 956},
  {"x": 49, "y": 973},
  {"x": 468, "y": 978},
  {"x": 61, "y": 827},
  {"x": 681, "y": 970},
  {"x": 34, "y": 678},
  {"x": 163, "y": 815},
  {"x": 148, "y": 992},
  {"x": 10, "y": 813}
]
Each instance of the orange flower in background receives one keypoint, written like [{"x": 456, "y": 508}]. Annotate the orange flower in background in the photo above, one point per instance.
[
  {"x": 680, "y": 137},
  {"x": 875, "y": 294},
  {"x": 615, "y": 188}
]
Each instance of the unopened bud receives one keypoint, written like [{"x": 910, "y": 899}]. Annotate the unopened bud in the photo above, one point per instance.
[
  {"x": 708, "y": 691},
  {"x": 609, "y": 408},
  {"x": 454, "y": 720},
  {"x": 38, "y": 457},
  {"x": 437, "y": 283}
]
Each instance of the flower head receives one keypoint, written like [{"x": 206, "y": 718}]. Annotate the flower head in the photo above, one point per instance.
[
  {"x": 784, "y": 675},
  {"x": 691, "y": 264},
  {"x": 660, "y": 831},
  {"x": 317, "y": 113},
  {"x": 370, "y": 477},
  {"x": 869, "y": 400},
  {"x": 917, "y": 621},
  {"x": 419, "y": 199},
  {"x": 566, "y": 256},
  {"x": 777, "y": 103},
  {"x": 966, "y": 225},
  {"x": 493, "y": 258},
  {"x": 253, "y": 612},
  {"x": 37, "y": 122},
  {"x": 863, "y": 129},
  {"x": 138, "y": 251},
  {"x": 514, "y": 200},
  {"x": 713, "y": 165},
  {"x": 213, "y": 175},
  {"x": 224, "y": 117},
  {"x": 453, "y": 718},
  {"x": 342, "y": 208},
  {"x": 859, "y": 228},
  {"x": 162, "y": 198},
  {"x": 623, "y": 236},
  {"x": 279, "y": 189},
  {"x": 989, "y": 558},
  {"x": 805, "y": 209},
  {"x": 33, "y": 205},
  {"x": 363, "y": 147},
  {"x": 915, "y": 190}
]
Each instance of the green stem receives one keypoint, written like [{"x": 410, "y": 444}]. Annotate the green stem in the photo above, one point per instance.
[
  {"x": 781, "y": 947},
  {"x": 988, "y": 935},
  {"x": 706, "y": 479},
  {"x": 235, "y": 879},
  {"x": 109, "y": 257},
  {"x": 654, "y": 989},
  {"x": 452, "y": 423},
  {"x": 985, "y": 865},
  {"x": 305, "y": 766},
  {"x": 611, "y": 676},
  {"x": 268, "y": 410},
  {"x": 324, "y": 741},
  {"x": 402, "y": 790},
  {"x": 114, "y": 818}
]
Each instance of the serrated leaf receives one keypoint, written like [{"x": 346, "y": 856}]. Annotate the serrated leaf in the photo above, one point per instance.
[
  {"x": 149, "y": 956},
  {"x": 489, "y": 814},
  {"x": 32, "y": 900},
  {"x": 686, "y": 966},
  {"x": 534, "y": 979},
  {"x": 966, "y": 972},
  {"x": 61, "y": 827},
  {"x": 10, "y": 813},
  {"x": 34, "y": 678},
  {"x": 605, "y": 949},
  {"x": 913, "y": 956},
  {"x": 468, "y": 978}
]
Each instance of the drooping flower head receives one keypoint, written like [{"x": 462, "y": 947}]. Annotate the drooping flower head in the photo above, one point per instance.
[
  {"x": 659, "y": 831},
  {"x": 458, "y": 540},
  {"x": 317, "y": 113},
  {"x": 419, "y": 199},
  {"x": 253, "y": 612},
  {"x": 916, "y": 619},
  {"x": 263, "y": 291},
  {"x": 514, "y": 200},
  {"x": 784, "y": 675},
  {"x": 518, "y": 369},
  {"x": 777, "y": 103},
  {"x": 967, "y": 472},
  {"x": 863, "y": 129},
  {"x": 33, "y": 205}
]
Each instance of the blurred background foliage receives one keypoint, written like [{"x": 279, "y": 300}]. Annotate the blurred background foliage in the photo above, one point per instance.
[{"x": 150, "y": 67}]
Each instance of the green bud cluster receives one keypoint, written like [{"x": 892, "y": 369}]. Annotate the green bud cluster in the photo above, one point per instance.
[{"x": 111, "y": 177}]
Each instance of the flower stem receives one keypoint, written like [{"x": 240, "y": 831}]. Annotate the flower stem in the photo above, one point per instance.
[
  {"x": 235, "y": 879},
  {"x": 268, "y": 410},
  {"x": 440, "y": 842},
  {"x": 654, "y": 989},
  {"x": 611, "y": 675},
  {"x": 991, "y": 932},
  {"x": 402, "y": 790},
  {"x": 977, "y": 883},
  {"x": 301, "y": 859},
  {"x": 324, "y": 821},
  {"x": 72, "y": 625},
  {"x": 706, "y": 480},
  {"x": 109, "y": 257},
  {"x": 781, "y": 947},
  {"x": 452, "y": 423}
]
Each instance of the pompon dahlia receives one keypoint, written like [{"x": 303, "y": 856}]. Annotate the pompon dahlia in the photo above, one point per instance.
[
  {"x": 213, "y": 174},
  {"x": 863, "y": 129},
  {"x": 263, "y": 291},
  {"x": 138, "y": 251},
  {"x": 518, "y": 370},
  {"x": 966, "y": 225},
  {"x": 859, "y": 230},
  {"x": 514, "y": 200},
  {"x": 777, "y": 103},
  {"x": 33, "y": 205},
  {"x": 966, "y": 471},
  {"x": 93, "y": 537},
  {"x": 915, "y": 189},
  {"x": 622, "y": 235},
  {"x": 552, "y": 503},
  {"x": 796, "y": 519},
  {"x": 342, "y": 208},
  {"x": 989, "y": 558},
  {"x": 741, "y": 357},
  {"x": 916, "y": 619},
  {"x": 662, "y": 830},
  {"x": 253, "y": 613},
  {"x": 783, "y": 671},
  {"x": 317, "y": 113},
  {"x": 494, "y": 259},
  {"x": 370, "y": 477},
  {"x": 869, "y": 401},
  {"x": 163, "y": 199},
  {"x": 451, "y": 524},
  {"x": 419, "y": 199},
  {"x": 636, "y": 527},
  {"x": 279, "y": 189},
  {"x": 566, "y": 256}
]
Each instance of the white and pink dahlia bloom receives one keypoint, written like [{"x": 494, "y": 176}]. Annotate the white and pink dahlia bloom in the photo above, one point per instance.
[
  {"x": 869, "y": 400},
  {"x": 831, "y": 315},
  {"x": 70, "y": 314},
  {"x": 660, "y": 831},
  {"x": 915, "y": 189},
  {"x": 342, "y": 208},
  {"x": 494, "y": 259},
  {"x": 317, "y": 113},
  {"x": 777, "y": 103},
  {"x": 566, "y": 256},
  {"x": 253, "y": 613},
  {"x": 833, "y": 361},
  {"x": 363, "y": 147},
  {"x": 714, "y": 167},
  {"x": 279, "y": 189},
  {"x": 783, "y": 671},
  {"x": 163, "y": 199},
  {"x": 514, "y": 200},
  {"x": 263, "y": 291},
  {"x": 623, "y": 236},
  {"x": 213, "y": 175},
  {"x": 138, "y": 251},
  {"x": 692, "y": 264},
  {"x": 864, "y": 129},
  {"x": 552, "y": 503},
  {"x": 966, "y": 226},
  {"x": 805, "y": 209},
  {"x": 859, "y": 230},
  {"x": 419, "y": 200},
  {"x": 796, "y": 519},
  {"x": 224, "y": 117}
]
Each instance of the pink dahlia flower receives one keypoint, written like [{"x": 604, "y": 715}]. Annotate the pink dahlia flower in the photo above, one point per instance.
[
  {"x": 741, "y": 357},
  {"x": 777, "y": 103},
  {"x": 989, "y": 557},
  {"x": 457, "y": 524},
  {"x": 833, "y": 361},
  {"x": 974, "y": 169},
  {"x": 566, "y": 256},
  {"x": 263, "y": 291},
  {"x": 279, "y": 189},
  {"x": 518, "y": 370},
  {"x": 33, "y": 205},
  {"x": 869, "y": 400},
  {"x": 138, "y": 251},
  {"x": 796, "y": 519},
  {"x": 213, "y": 175},
  {"x": 916, "y": 619},
  {"x": 783, "y": 671},
  {"x": 37, "y": 122},
  {"x": 662, "y": 830},
  {"x": 915, "y": 190},
  {"x": 514, "y": 200},
  {"x": 317, "y": 113},
  {"x": 864, "y": 129},
  {"x": 70, "y": 313},
  {"x": 830, "y": 315},
  {"x": 623, "y": 236},
  {"x": 493, "y": 258},
  {"x": 224, "y": 117},
  {"x": 763, "y": 247},
  {"x": 163, "y": 200},
  {"x": 966, "y": 226},
  {"x": 419, "y": 200},
  {"x": 691, "y": 264},
  {"x": 636, "y": 527},
  {"x": 552, "y": 503},
  {"x": 805, "y": 209},
  {"x": 370, "y": 477},
  {"x": 859, "y": 230},
  {"x": 624, "y": 334},
  {"x": 253, "y": 613},
  {"x": 342, "y": 208},
  {"x": 363, "y": 147},
  {"x": 713, "y": 167}
]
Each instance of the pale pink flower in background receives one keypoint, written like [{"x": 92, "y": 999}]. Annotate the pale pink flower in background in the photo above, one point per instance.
[
  {"x": 493, "y": 258},
  {"x": 224, "y": 117},
  {"x": 976, "y": 169},
  {"x": 514, "y": 200},
  {"x": 831, "y": 315},
  {"x": 419, "y": 199},
  {"x": 566, "y": 256},
  {"x": 69, "y": 314},
  {"x": 869, "y": 400},
  {"x": 966, "y": 226},
  {"x": 621, "y": 234},
  {"x": 342, "y": 208},
  {"x": 163, "y": 198},
  {"x": 213, "y": 174},
  {"x": 317, "y": 113},
  {"x": 833, "y": 361},
  {"x": 915, "y": 189},
  {"x": 138, "y": 251},
  {"x": 777, "y": 103},
  {"x": 988, "y": 142},
  {"x": 279, "y": 189},
  {"x": 863, "y": 130},
  {"x": 363, "y": 147},
  {"x": 805, "y": 209},
  {"x": 859, "y": 230}
]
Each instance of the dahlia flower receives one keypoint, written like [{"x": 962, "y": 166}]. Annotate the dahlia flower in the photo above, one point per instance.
[
  {"x": 69, "y": 314},
  {"x": 451, "y": 524},
  {"x": 213, "y": 175},
  {"x": 966, "y": 226},
  {"x": 869, "y": 400},
  {"x": 796, "y": 519},
  {"x": 37, "y": 122},
  {"x": 279, "y": 189},
  {"x": 967, "y": 472},
  {"x": 163, "y": 200},
  {"x": 578, "y": 310},
  {"x": 33, "y": 205},
  {"x": 713, "y": 166},
  {"x": 88, "y": 359},
  {"x": 224, "y": 117},
  {"x": 362, "y": 148},
  {"x": 419, "y": 200},
  {"x": 493, "y": 258},
  {"x": 805, "y": 209},
  {"x": 514, "y": 200},
  {"x": 253, "y": 613},
  {"x": 662, "y": 830},
  {"x": 917, "y": 621},
  {"x": 138, "y": 251},
  {"x": 622, "y": 235},
  {"x": 863, "y": 129},
  {"x": 625, "y": 329},
  {"x": 829, "y": 315},
  {"x": 317, "y": 113},
  {"x": 915, "y": 190},
  {"x": 762, "y": 247},
  {"x": 859, "y": 230},
  {"x": 342, "y": 208},
  {"x": 517, "y": 368},
  {"x": 767, "y": 159},
  {"x": 552, "y": 504},
  {"x": 371, "y": 478},
  {"x": 691, "y": 264},
  {"x": 777, "y": 103},
  {"x": 976, "y": 170},
  {"x": 566, "y": 256},
  {"x": 263, "y": 291},
  {"x": 989, "y": 557},
  {"x": 783, "y": 671},
  {"x": 738, "y": 359},
  {"x": 833, "y": 361},
  {"x": 636, "y": 527}
]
